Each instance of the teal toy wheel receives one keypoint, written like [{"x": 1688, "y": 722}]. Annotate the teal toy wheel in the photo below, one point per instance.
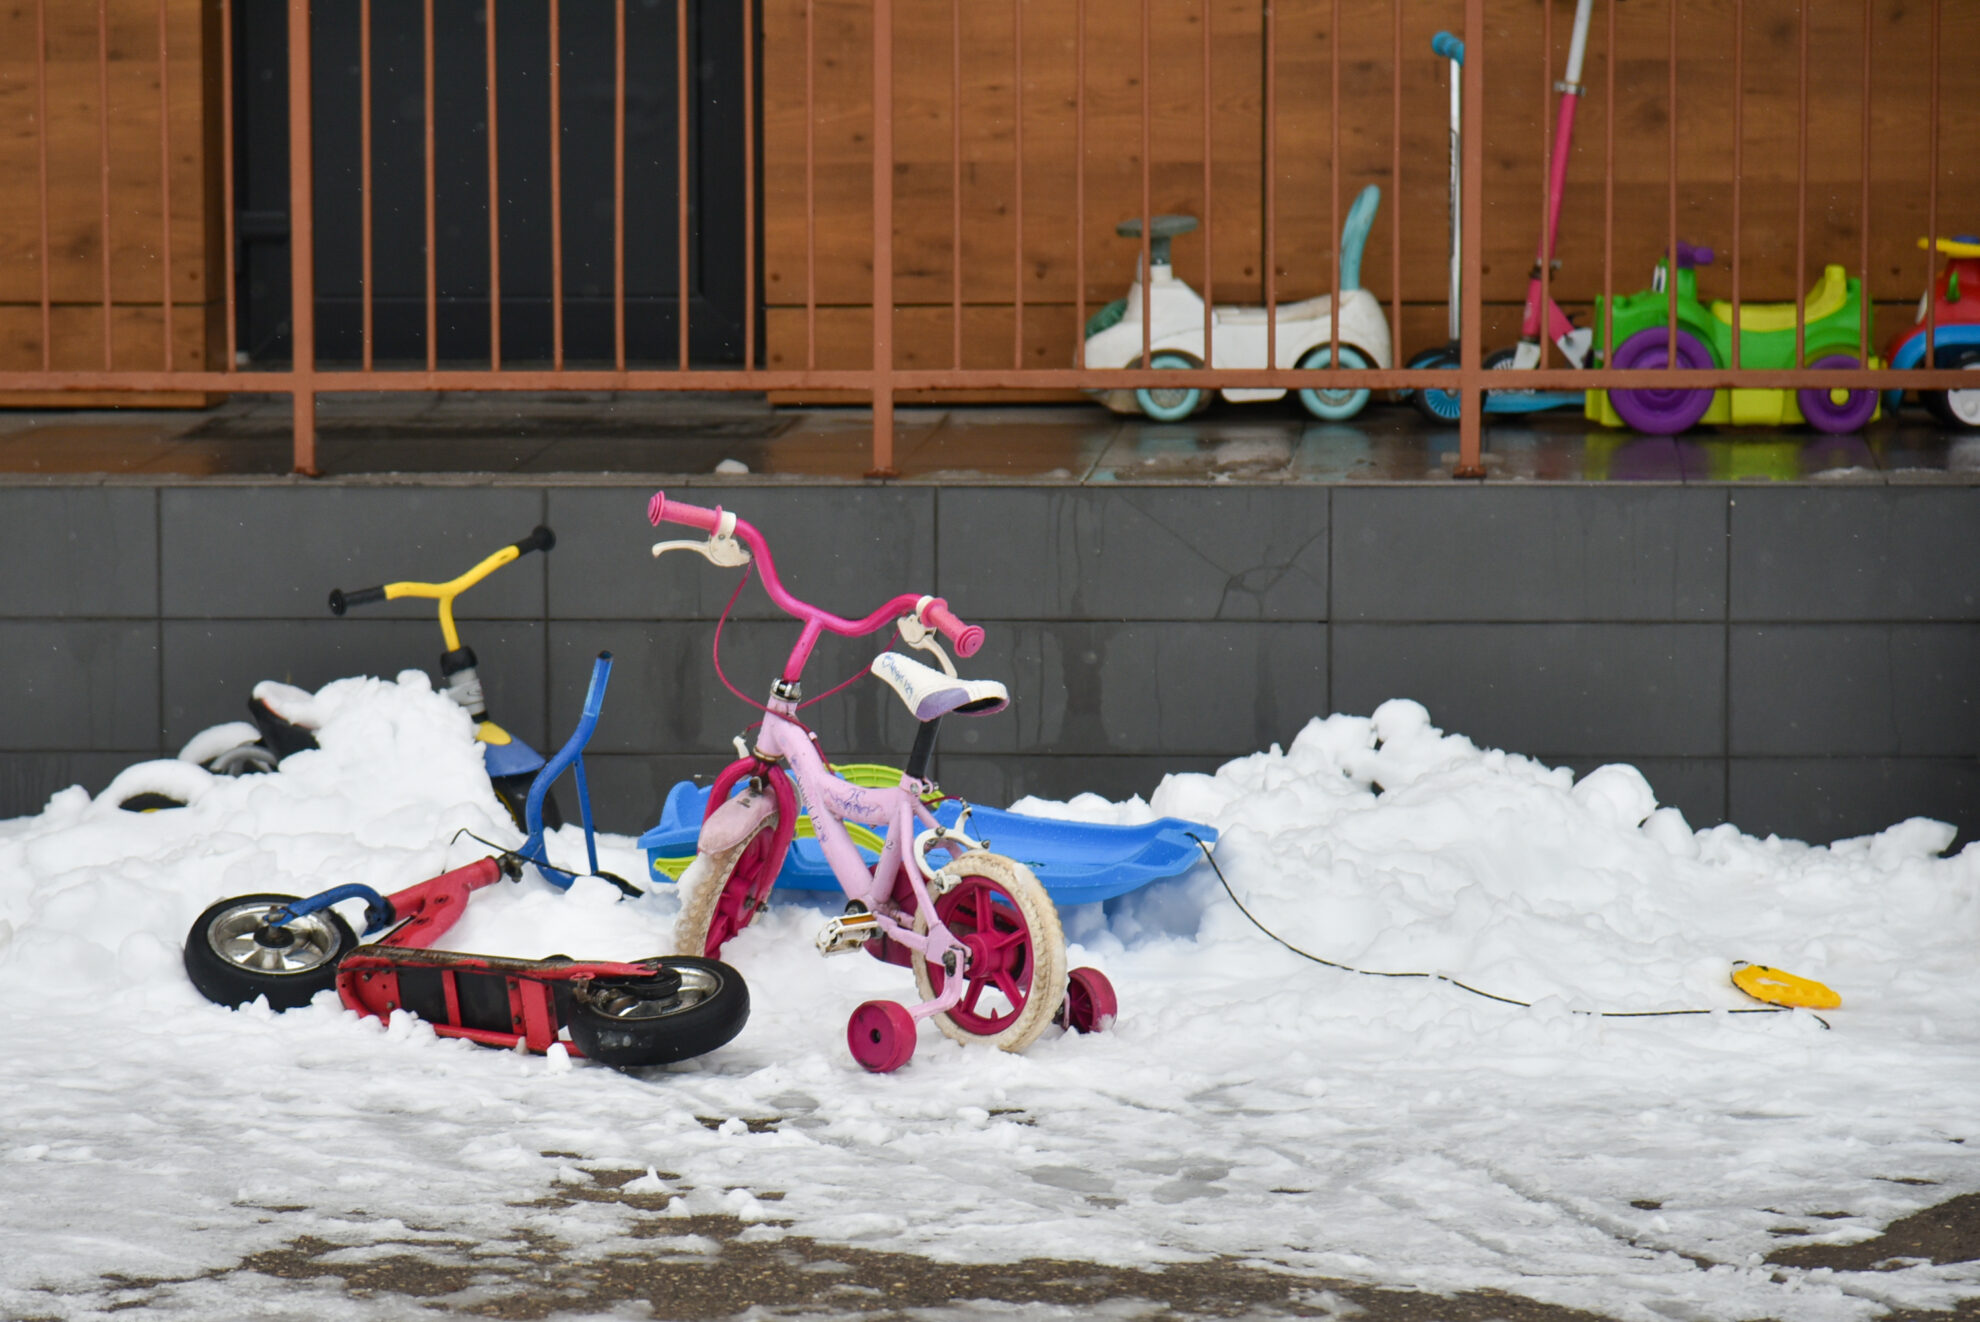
[
  {"x": 1342, "y": 402},
  {"x": 1170, "y": 404}
]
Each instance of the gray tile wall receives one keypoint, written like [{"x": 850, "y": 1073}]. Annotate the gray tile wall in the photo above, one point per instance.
[{"x": 1795, "y": 659}]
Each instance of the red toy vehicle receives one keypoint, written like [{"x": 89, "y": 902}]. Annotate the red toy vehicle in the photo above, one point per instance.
[
  {"x": 652, "y": 1012},
  {"x": 1954, "y": 302}
]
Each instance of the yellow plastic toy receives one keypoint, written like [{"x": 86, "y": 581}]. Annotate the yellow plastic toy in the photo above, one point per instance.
[{"x": 1778, "y": 988}]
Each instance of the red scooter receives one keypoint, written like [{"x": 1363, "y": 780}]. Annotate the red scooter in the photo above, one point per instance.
[{"x": 649, "y": 1012}]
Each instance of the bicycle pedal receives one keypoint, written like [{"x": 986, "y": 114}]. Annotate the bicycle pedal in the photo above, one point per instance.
[{"x": 849, "y": 932}]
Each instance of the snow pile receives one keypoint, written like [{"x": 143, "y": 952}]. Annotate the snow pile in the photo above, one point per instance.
[{"x": 1249, "y": 1103}]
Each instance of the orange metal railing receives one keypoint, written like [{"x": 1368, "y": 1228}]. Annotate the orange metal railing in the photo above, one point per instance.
[{"x": 882, "y": 380}]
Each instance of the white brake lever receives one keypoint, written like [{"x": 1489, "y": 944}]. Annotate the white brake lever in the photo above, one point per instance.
[
  {"x": 917, "y": 634},
  {"x": 721, "y": 549}
]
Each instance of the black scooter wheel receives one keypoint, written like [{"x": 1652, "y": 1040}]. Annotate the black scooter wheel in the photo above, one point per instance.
[
  {"x": 688, "y": 1008},
  {"x": 233, "y": 955}
]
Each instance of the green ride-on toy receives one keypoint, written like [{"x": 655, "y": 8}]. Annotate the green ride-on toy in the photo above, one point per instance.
[{"x": 1832, "y": 337}]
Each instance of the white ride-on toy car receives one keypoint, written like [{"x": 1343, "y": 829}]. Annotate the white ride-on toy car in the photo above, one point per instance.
[{"x": 1303, "y": 339}]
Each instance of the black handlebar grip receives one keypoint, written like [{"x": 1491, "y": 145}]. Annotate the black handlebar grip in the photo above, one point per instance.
[
  {"x": 539, "y": 539},
  {"x": 341, "y": 600}
]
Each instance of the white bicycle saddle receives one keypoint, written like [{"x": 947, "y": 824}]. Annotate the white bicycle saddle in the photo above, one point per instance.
[{"x": 929, "y": 693}]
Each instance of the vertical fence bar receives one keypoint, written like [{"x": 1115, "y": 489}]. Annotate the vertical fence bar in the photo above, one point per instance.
[
  {"x": 1209, "y": 206},
  {"x": 1147, "y": 192},
  {"x": 749, "y": 184},
  {"x": 1609, "y": 191},
  {"x": 103, "y": 152},
  {"x": 1863, "y": 202},
  {"x": 302, "y": 240},
  {"x": 1471, "y": 462},
  {"x": 619, "y": 185},
  {"x": 165, "y": 180},
  {"x": 1931, "y": 358},
  {"x": 1271, "y": 188},
  {"x": 41, "y": 144},
  {"x": 556, "y": 191},
  {"x": 364, "y": 167},
  {"x": 432, "y": 249},
  {"x": 1801, "y": 182},
  {"x": 1079, "y": 177},
  {"x": 227, "y": 170},
  {"x": 1671, "y": 360},
  {"x": 494, "y": 210},
  {"x": 955, "y": 185},
  {"x": 1739, "y": 155},
  {"x": 681, "y": 168},
  {"x": 1334, "y": 180},
  {"x": 883, "y": 238},
  {"x": 1395, "y": 174},
  {"x": 1016, "y": 169},
  {"x": 1548, "y": 204},
  {"x": 810, "y": 187},
  {"x": 1017, "y": 183}
]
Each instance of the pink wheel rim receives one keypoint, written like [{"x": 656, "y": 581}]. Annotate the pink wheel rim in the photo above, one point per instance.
[
  {"x": 748, "y": 888},
  {"x": 1090, "y": 1005},
  {"x": 880, "y": 1035},
  {"x": 985, "y": 918},
  {"x": 747, "y": 891}
]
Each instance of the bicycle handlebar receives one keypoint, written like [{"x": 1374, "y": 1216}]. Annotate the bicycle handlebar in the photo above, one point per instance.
[
  {"x": 340, "y": 601},
  {"x": 968, "y": 638},
  {"x": 932, "y": 611},
  {"x": 540, "y": 539}
]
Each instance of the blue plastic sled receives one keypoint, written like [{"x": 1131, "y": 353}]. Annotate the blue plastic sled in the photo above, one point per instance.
[{"x": 1077, "y": 862}]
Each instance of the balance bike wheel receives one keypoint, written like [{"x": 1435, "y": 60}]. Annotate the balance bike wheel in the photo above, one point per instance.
[
  {"x": 689, "y": 1007},
  {"x": 232, "y": 954},
  {"x": 881, "y": 1036},
  {"x": 1090, "y": 1005}
]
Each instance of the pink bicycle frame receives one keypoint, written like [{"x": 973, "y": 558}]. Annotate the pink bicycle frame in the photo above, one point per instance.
[{"x": 831, "y": 799}]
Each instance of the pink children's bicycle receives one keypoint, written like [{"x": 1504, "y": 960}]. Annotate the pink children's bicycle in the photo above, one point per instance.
[{"x": 977, "y": 928}]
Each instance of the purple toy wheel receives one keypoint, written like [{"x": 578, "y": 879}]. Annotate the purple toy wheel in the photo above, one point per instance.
[
  {"x": 881, "y": 1035},
  {"x": 1658, "y": 411},
  {"x": 1821, "y": 407},
  {"x": 1090, "y": 1005}
]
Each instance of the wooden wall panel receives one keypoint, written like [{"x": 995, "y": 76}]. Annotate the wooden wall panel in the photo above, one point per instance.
[
  {"x": 136, "y": 203},
  {"x": 1518, "y": 103}
]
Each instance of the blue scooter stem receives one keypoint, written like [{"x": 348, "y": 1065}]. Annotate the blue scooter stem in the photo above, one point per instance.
[{"x": 571, "y": 754}]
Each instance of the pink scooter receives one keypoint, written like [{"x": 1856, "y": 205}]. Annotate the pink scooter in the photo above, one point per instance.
[{"x": 1576, "y": 343}]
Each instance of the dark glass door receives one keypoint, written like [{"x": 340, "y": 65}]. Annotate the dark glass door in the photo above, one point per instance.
[{"x": 586, "y": 37}]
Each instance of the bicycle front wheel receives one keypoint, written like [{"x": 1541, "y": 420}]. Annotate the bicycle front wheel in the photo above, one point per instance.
[{"x": 1017, "y": 953}]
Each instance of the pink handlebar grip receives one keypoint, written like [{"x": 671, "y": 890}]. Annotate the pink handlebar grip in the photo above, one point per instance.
[
  {"x": 968, "y": 638},
  {"x": 694, "y": 516}
]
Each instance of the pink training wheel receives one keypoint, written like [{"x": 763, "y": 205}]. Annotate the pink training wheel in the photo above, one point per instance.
[
  {"x": 881, "y": 1035},
  {"x": 1090, "y": 1005}
]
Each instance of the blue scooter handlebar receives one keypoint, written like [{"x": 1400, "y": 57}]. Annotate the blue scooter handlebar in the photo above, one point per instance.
[{"x": 1448, "y": 46}]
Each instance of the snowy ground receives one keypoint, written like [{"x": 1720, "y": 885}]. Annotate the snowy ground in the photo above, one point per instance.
[{"x": 1248, "y": 1105}]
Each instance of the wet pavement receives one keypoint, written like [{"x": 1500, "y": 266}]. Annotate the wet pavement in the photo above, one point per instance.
[
  {"x": 713, "y": 1267},
  {"x": 541, "y": 435}
]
